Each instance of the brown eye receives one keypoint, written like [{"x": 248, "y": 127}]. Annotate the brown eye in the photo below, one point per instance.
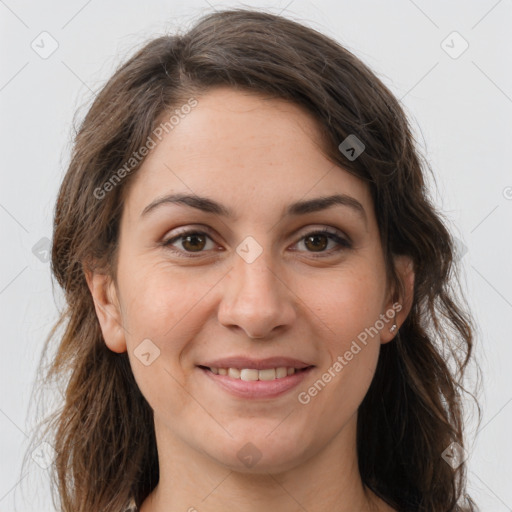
[
  {"x": 194, "y": 242},
  {"x": 191, "y": 242},
  {"x": 316, "y": 242}
]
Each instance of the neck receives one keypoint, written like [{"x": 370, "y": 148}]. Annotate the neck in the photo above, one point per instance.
[{"x": 328, "y": 480}]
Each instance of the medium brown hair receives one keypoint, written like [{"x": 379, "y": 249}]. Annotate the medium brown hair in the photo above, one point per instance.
[{"x": 103, "y": 433}]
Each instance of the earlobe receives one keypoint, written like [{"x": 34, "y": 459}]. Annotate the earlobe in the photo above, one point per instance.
[
  {"x": 107, "y": 308},
  {"x": 401, "y": 303}
]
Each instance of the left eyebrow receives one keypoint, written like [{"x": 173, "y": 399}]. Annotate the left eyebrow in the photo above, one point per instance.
[
  {"x": 323, "y": 203},
  {"x": 298, "y": 208}
]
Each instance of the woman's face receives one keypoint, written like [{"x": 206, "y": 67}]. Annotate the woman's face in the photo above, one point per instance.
[{"x": 251, "y": 287}]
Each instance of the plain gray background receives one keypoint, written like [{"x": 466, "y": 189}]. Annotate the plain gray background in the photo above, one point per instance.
[{"x": 460, "y": 106}]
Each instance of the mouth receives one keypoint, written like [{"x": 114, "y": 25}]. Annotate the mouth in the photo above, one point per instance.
[
  {"x": 263, "y": 383},
  {"x": 253, "y": 374}
]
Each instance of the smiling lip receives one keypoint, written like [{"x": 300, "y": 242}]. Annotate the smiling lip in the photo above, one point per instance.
[
  {"x": 257, "y": 389},
  {"x": 258, "y": 364}
]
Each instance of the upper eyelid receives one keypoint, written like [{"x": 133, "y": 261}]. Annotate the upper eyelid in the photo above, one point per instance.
[
  {"x": 300, "y": 234},
  {"x": 304, "y": 231}
]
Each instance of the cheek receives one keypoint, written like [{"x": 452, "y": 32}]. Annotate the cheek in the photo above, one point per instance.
[
  {"x": 162, "y": 312},
  {"x": 349, "y": 307},
  {"x": 348, "y": 303},
  {"x": 160, "y": 301},
  {"x": 350, "y": 345}
]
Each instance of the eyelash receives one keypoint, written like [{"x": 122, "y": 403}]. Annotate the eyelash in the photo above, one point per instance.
[{"x": 344, "y": 243}]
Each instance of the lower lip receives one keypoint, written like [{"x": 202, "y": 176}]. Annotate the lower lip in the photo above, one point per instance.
[{"x": 258, "y": 388}]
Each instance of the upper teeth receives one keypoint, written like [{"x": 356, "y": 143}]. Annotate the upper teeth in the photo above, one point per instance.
[{"x": 253, "y": 374}]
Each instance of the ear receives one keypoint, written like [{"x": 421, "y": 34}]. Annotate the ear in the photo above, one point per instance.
[
  {"x": 400, "y": 300},
  {"x": 106, "y": 303}
]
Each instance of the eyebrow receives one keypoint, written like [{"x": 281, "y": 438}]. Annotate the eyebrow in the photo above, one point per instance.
[{"x": 298, "y": 208}]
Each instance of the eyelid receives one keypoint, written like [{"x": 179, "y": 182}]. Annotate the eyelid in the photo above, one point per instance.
[
  {"x": 198, "y": 228},
  {"x": 344, "y": 242},
  {"x": 321, "y": 229},
  {"x": 181, "y": 233}
]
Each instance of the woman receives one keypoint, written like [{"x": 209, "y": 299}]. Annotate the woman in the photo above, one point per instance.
[{"x": 260, "y": 297}]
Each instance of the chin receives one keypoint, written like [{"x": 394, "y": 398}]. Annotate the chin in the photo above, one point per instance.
[{"x": 261, "y": 454}]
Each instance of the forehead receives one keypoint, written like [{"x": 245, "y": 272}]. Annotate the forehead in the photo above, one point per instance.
[{"x": 243, "y": 149}]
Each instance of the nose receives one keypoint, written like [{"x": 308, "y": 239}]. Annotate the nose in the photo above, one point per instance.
[{"x": 256, "y": 299}]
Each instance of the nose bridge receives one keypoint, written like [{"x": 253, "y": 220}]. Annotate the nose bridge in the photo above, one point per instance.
[
  {"x": 256, "y": 299},
  {"x": 257, "y": 275}
]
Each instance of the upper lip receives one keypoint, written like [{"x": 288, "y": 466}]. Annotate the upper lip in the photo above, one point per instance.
[{"x": 241, "y": 362}]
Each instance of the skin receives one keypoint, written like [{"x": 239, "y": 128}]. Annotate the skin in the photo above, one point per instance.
[{"x": 254, "y": 155}]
